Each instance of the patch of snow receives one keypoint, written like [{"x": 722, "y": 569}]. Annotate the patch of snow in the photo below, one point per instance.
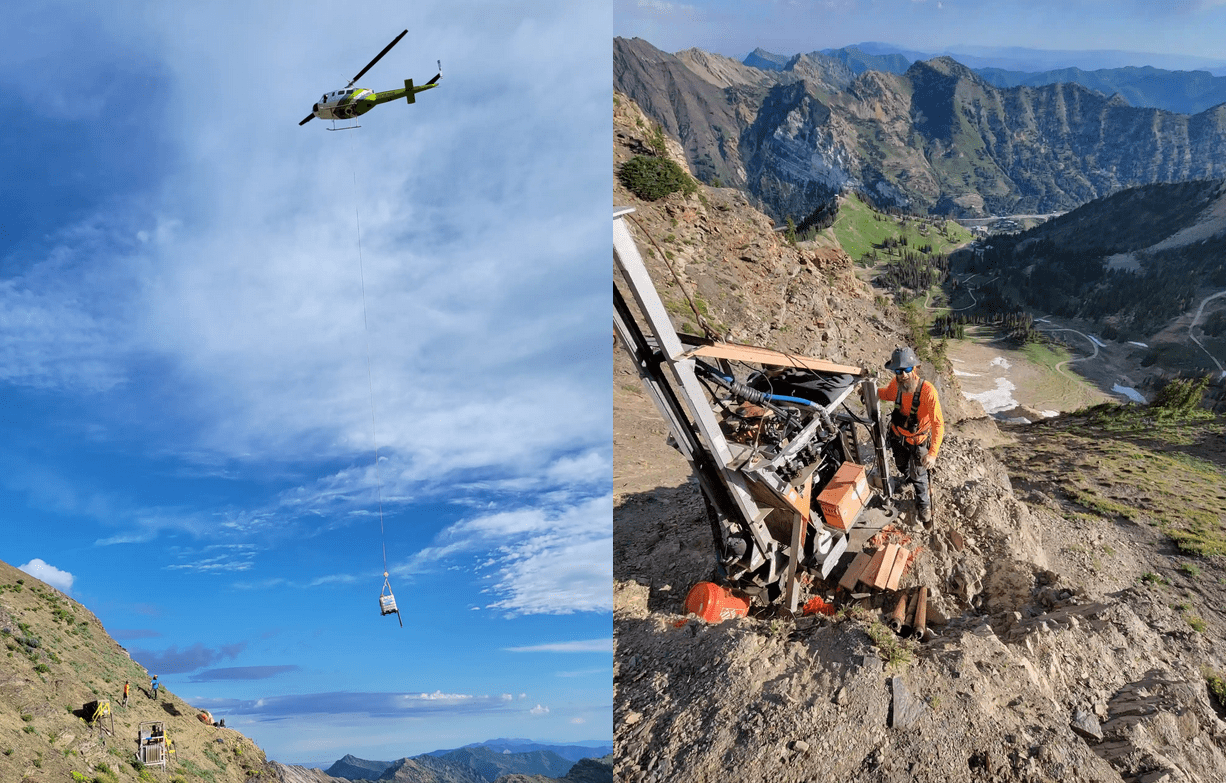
[
  {"x": 1041, "y": 321},
  {"x": 1139, "y": 345},
  {"x": 995, "y": 400},
  {"x": 1096, "y": 341},
  {"x": 1018, "y": 420},
  {"x": 1129, "y": 392},
  {"x": 1125, "y": 261},
  {"x": 1001, "y": 362},
  {"x": 1050, "y": 414},
  {"x": 961, "y": 374}
]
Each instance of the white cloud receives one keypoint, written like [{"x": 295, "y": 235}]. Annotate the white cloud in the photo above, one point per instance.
[
  {"x": 222, "y": 304},
  {"x": 539, "y": 710},
  {"x": 479, "y": 251},
  {"x": 543, "y": 561},
  {"x": 585, "y": 646},
  {"x": 60, "y": 580}
]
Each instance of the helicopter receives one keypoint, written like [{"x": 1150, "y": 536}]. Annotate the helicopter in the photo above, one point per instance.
[{"x": 355, "y": 101}]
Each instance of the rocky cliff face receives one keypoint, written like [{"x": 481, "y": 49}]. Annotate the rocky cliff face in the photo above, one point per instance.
[{"x": 938, "y": 138}]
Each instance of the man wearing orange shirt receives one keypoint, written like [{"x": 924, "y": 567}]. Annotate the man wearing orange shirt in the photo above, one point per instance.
[{"x": 917, "y": 426}]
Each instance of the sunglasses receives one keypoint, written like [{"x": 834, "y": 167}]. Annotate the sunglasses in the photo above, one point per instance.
[{"x": 903, "y": 370}]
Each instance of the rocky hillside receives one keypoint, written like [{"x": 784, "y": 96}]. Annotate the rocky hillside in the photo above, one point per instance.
[
  {"x": 1077, "y": 605},
  {"x": 59, "y": 658},
  {"x": 937, "y": 138}
]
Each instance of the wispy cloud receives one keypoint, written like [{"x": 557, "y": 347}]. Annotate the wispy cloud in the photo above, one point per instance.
[
  {"x": 383, "y": 705},
  {"x": 539, "y": 560},
  {"x": 586, "y": 646},
  {"x": 173, "y": 660},
  {"x": 241, "y": 673}
]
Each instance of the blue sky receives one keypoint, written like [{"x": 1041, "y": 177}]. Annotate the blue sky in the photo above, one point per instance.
[
  {"x": 1187, "y": 32},
  {"x": 185, "y": 398}
]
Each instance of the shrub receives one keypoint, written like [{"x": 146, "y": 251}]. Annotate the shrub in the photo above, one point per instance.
[
  {"x": 1217, "y": 686},
  {"x": 652, "y": 178},
  {"x": 1182, "y": 395}
]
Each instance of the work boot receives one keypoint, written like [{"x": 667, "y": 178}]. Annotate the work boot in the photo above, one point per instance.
[{"x": 925, "y": 517}]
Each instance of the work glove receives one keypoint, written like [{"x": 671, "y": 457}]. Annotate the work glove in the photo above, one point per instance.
[{"x": 930, "y": 459}]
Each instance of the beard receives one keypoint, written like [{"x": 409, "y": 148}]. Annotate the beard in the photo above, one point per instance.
[{"x": 911, "y": 384}]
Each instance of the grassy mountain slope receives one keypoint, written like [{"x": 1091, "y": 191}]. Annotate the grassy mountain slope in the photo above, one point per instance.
[{"x": 58, "y": 657}]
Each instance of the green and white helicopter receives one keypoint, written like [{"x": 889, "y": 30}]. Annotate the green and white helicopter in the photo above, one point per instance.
[{"x": 355, "y": 101}]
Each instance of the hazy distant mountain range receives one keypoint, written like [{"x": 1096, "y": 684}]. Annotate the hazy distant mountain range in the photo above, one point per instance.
[
  {"x": 1185, "y": 91},
  {"x": 1017, "y": 58},
  {"x": 938, "y": 137},
  {"x": 476, "y": 763}
]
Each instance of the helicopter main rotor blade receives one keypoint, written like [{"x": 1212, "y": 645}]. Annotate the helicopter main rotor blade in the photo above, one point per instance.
[
  {"x": 378, "y": 57},
  {"x": 309, "y": 117}
]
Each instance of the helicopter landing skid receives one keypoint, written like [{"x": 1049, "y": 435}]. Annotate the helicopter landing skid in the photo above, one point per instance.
[{"x": 345, "y": 127}]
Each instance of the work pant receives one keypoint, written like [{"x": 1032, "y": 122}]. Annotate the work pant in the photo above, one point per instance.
[{"x": 909, "y": 459}]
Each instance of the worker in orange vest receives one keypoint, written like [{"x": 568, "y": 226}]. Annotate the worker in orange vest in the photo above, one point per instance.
[
  {"x": 126, "y": 686},
  {"x": 917, "y": 426}
]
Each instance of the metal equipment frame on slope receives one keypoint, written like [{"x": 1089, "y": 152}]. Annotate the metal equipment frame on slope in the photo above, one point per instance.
[{"x": 760, "y": 494}]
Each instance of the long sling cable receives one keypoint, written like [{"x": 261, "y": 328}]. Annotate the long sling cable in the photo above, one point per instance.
[{"x": 371, "y": 386}]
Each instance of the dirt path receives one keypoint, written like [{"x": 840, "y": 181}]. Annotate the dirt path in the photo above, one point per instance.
[
  {"x": 1196, "y": 319},
  {"x": 1066, "y": 362}
]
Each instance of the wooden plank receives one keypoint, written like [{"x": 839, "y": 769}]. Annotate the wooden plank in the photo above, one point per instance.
[
  {"x": 900, "y": 564},
  {"x": 887, "y": 563},
  {"x": 799, "y": 523},
  {"x": 874, "y": 565},
  {"x": 853, "y": 571},
  {"x": 749, "y": 353}
]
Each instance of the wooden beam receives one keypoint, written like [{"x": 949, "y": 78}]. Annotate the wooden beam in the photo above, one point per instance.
[
  {"x": 887, "y": 564},
  {"x": 852, "y": 575},
  {"x": 766, "y": 356}
]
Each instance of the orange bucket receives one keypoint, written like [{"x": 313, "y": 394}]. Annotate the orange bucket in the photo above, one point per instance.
[
  {"x": 714, "y": 603},
  {"x": 818, "y": 605}
]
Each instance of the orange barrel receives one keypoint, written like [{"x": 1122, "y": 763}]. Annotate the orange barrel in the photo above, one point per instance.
[{"x": 714, "y": 603}]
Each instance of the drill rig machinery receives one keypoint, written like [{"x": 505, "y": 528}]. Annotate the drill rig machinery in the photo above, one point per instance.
[{"x": 762, "y": 446}]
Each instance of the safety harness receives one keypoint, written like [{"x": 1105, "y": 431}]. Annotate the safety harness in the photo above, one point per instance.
[{"x": 910, "y": 422}]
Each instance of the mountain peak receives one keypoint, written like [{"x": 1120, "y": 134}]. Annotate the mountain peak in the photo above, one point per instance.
[{"x": 944, "y": 65}]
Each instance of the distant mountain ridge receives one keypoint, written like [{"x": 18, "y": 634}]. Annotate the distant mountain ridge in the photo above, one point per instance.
[
  {"x": 938, "y": 138},
  {"x": 479, "y": 763},
  {"x": 571, "y": 751},
  {"x": 1179, "y": 91},
  {"x": 1019, "y": 58}
]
